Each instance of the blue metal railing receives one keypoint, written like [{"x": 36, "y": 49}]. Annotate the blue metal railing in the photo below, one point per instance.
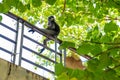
[{"x": 19, "y": 44}]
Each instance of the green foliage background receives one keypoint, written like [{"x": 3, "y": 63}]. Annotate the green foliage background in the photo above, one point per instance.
[{"x": 91, "y": 26}]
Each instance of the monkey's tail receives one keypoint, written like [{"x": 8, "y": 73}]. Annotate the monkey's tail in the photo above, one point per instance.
[{"x": 42, "y": 50}]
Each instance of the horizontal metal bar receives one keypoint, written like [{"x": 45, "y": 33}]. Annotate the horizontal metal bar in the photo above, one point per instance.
[
  {"x": 13, "y": 16},
  {"x": 8, "y": 27},
  {"x": 38, "y": 65},
  {"x": 32, "y": 40},
  {"x": 42, "y": 45},
  {"x": 5, "y": 50},
  {"x": 38, "y": 54},
  {"x": 7, "y": 39}
]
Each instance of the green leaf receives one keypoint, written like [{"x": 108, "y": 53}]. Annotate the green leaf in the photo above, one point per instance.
[
  {"x": 109, "y": 27},
  {"x": 92, "y": 65},
  {"x": 11, "y": 3},
  {"x": 99, "y": 75},
  {"x": 79, "y": 74},
  {"x": 96, "y": 49},
  {"x": 63, "y": 76},
  {"x": 104, "y": 60},
  {"x": 59, "y": 69},
  {"x": 73, "y": 78},
  {"x": 51, "y": 2},
  {"x": 21, "y": 7},
  {"x": 110, "y": 75},
  {"x": 28, "y": 6},
  {"x": 0, "y": 18},
  {"x": 4, "y": 8},
  {"x": 85, "y": 48},
  {"x": 113, "y": 53},
  {"x": 66, "y": 44},
  {"x": 90, "y": 20},
  {"x": 106, "y": 39},
  {"x": 36, "y": 3}
]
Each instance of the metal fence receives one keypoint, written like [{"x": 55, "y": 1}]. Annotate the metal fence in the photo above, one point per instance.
[{"x": 16, "y": 44}]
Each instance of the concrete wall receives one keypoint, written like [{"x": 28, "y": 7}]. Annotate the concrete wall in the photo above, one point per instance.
[{"x": 9, "y": 71}]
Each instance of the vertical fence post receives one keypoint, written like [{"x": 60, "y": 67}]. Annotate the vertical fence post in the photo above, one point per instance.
[
  {"x": 55, "y": 49},
  {"x": 61, "y": 56},
  {"x": 64, "y": 57},
  {"x": 21, "y": 43},
  {"x": 16, "y": 40}
]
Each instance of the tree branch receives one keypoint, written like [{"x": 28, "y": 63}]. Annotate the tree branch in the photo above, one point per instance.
[
  {"x": 64, "y": 6},
  {"x": 97, "y": 42},
  {"x": 112, "y": 68},
  {"x": 103, "y": 43},
  {"x": 116, "y": 47}
]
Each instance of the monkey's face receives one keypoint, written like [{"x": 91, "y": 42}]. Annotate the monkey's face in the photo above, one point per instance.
[{"x": 51, "y": 18}]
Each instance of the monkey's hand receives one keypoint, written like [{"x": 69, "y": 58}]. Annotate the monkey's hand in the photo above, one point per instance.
[{"x": 31, "y": 31}]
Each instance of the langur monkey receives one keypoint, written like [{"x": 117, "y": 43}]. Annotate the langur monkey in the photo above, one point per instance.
[{"x": 52, "y": 29}]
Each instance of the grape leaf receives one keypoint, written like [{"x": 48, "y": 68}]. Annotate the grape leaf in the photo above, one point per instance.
[
  {"x": 63, "y": 76},
  {"x": 59, "y": 69},
  {"x": 110, "y": 75},
  {"x": 51, "y": 2},
  {"x": 85, "y": 48},
  {"x": 109, "y": 27},
  {"x": 4, "y": 7},
  {"x": 36, "y": 3},
  {"x": 66, "y": 44},
  {"x": 92, "y": 65},
  {"x": 96, "y": 49},
  {"x": 106, "y": 39},
  {"x": 104, "y": 61},
  {"x": 73, "y": 78},
  {"x": 79, "y": 74},
  {"x": 21, "y": 7}
]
